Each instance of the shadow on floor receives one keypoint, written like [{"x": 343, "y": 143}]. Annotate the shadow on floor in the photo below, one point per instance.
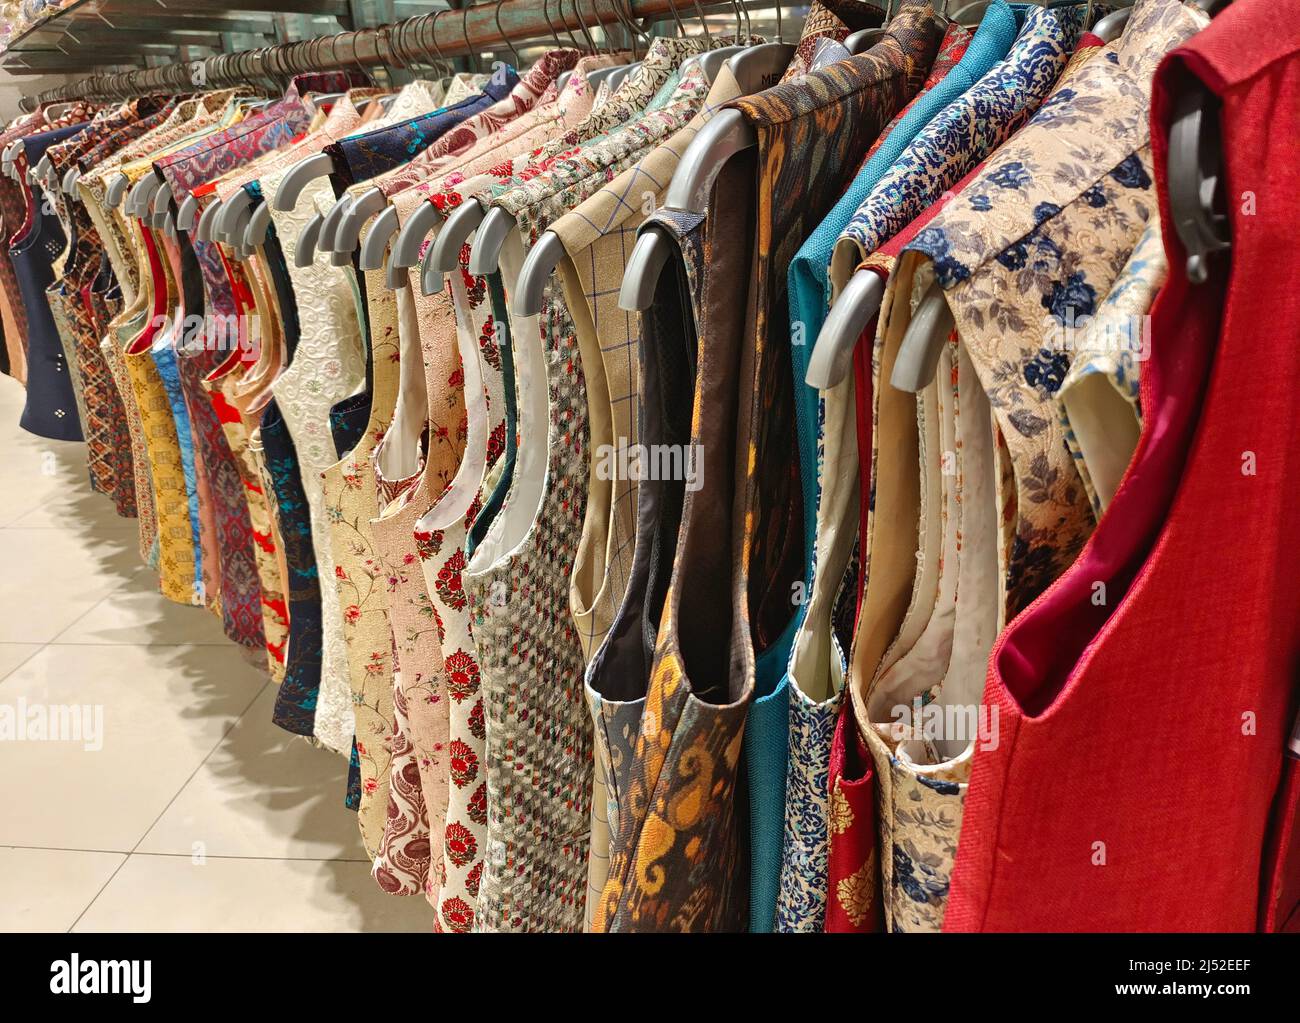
[{"x": 250, "y": 759}]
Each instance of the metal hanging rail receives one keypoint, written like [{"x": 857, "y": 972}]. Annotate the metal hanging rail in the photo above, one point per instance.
[{"x": 426, "y": 38}]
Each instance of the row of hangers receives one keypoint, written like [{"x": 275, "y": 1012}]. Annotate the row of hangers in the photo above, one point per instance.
[
  {"x": 338, "y": 231},
  {"x": 232, "y": 222},
  {"x": 1194, "y": 178}
]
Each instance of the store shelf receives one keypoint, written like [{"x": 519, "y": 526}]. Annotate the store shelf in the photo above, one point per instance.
[{"x": 90, "y": 35}]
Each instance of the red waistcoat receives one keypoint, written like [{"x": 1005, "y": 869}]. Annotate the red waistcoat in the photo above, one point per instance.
[{"x": 1141, "y": 780}]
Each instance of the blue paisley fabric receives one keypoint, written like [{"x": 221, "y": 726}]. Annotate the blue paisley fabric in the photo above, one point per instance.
[
  {"x": 362, "y": 157},
  {"x": 964, "y": 132},
  {"x": 295, "y": 703},
  {"x": 164, "y": 357}
]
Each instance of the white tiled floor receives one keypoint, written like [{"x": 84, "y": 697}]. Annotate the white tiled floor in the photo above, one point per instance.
[{"x": 197, "y": 814}]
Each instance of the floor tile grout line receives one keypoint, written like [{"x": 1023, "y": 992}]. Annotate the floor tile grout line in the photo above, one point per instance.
[
  {"x": 64, "y": 630},
  {"x": 40, "y": 648},
  {"x": 208, "y": 756},
  {"x": 97, "y": 894},
  {"x": 175, "y": 795}
]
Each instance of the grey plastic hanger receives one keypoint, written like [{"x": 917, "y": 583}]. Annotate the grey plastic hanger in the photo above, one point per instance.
[
  {"x": 653, "y": 248},
  {"x": 727, "y": 134},
  {"x": 1108, "y": 29},
  {"x": 485, "y": 254},
  {"x": 139, "y": 197},
  {"x": 1193, "y": 171},
  {"x": 430, "y": 280},
  {"x": 922, "y": 344},
  {"x": 116, "y": 189},
  {"x": 832, "y": 354},
  {"x": 620, "y": 74},
  {"x": 444, "y": 253},
  {"x": 711, "y": 62},
  {"x": 563, "y": 80},
  {"x": 161, "y": 205},
  {"x": 42, "y": 169},
  {"x": 235, "y": 236},
  {"x": 305, "y": 254},
  {"x": 376, "y": 243},
  {"x": 395, "y": 276},
  {"x": 297, "y": 178},
  {"x": 365, "y": 206},
  {"x": 128, "y": 199},
  {"x": 646, "y": 262},
  {"x": 861, "y": 41},
  {"x": 539, "y": 264},
  {"x": 757, "y": 67},
  {"x": 226, "y": 227},
  {"x": 1193, "y": 175},
  {"x": 258, "y": 223},
  {"x": 69, "y": 183},
  {"x": 188, "y": 212},
  {"x": 406, "y": 250},
  {"x": 331, "y": 223},
  {"x": 594, "y": 78},
  {"x": 203, "y": 231}
]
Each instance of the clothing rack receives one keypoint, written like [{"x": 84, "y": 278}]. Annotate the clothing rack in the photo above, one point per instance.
[{"x": 436, "y": 37}]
